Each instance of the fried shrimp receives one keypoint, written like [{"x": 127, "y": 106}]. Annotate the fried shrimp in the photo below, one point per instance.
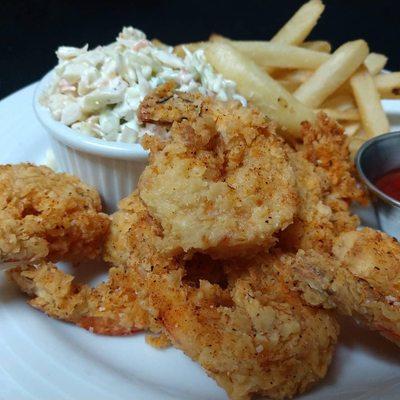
[
  {"x": 112, "y": 308},
  {"x": 319, "y": 218},
  {"x": 221, "y": 183},
  {"x": 236, "y": 247},
  {"x": 326, "y": 185},
  {"x": 238, "y": 319},
  {"x": 253, "y": 338},
  {"x": 48, "y": 216},
  {"x": 361, "y": 279},
  {"x": 109, "y": 309},
  {"x": 325, "y": 146}
]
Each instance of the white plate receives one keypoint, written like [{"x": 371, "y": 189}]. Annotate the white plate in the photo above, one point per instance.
[{"x": 41, "y": 358}]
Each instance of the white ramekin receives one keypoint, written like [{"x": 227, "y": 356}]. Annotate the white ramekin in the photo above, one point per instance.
[{"x": 113, "y": 168}]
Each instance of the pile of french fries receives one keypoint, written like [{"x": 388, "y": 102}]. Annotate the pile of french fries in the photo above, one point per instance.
[{"x": 291, "y": 79}]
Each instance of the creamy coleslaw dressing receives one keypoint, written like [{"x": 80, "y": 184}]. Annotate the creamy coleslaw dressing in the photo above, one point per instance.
[{"x": 98, "y": 92}]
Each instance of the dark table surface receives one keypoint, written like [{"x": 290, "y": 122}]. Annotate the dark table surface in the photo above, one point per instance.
[{"x": 30, "y": 31}]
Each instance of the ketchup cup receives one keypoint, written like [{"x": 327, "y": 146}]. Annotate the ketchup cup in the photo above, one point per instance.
[{"x": 376, "y": 158}]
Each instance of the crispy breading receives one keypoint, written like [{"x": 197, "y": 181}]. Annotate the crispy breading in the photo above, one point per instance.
[
  {"x": 111, "y": 308},
  {"x": 164, "y": 107},
  {"x": 318, "y": 219},
  {"x": 222, "y": 184},
  {"x": 320, "y": 162},
  {"x": 326, "y": 184},
  {"x": 237, "y": 318},
  {"x": 256, "y": 339},
  {"x": 361, "y": 278},
  {"x": 134, "y": 235},
  {"x": 196, "y": 258},
  {"x": 48, "y": 216},
  {"x": 325, "y": 145}
]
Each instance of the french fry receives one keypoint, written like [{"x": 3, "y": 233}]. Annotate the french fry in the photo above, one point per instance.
[
  {"x": 375, "y": 62},
  {"x": 259, "y": 88},
  {"x": 298, "y": 75},
  {"x": 342, "y": 101},
  {"x": 373, "y": 117},
  {"x": 333, "y": 73},
  {"x": 318, "y": 45},
  {"x": 286, "y": 78},
  {"x": 289, "y": 85},
  {"x": 291, "y": 79},
  {"x": 355, "y": 142},
  {"x": 269, "y": 54},
  {"x": 159, "y": 43},
  {"x": 216, "y": 37},
  {"x": 301, "y": 24},
  {"x": 178, "y": 50},
  {"x": 279, "y": 55},
  {"x": 351, "y": 128},
  {"x": 347, "y": 85},
  {"x": 351, "y": 114},
  {"x": 388, "y": 85}
]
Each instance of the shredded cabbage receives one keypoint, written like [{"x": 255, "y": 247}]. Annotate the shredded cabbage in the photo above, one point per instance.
[{"x": 98, "y": 92}]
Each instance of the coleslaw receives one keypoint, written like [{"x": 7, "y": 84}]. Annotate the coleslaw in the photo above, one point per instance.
[{"x": 98, "y": 92}]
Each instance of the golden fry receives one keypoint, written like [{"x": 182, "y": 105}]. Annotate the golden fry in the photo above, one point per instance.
[
  {"x": 342, "y": 102},
  {"x": 388, "y": 85},
  {"x": 270, "y": 54},
  {"x": 259, "y": 88},
  {"x": 374, "y": 119},
  {"x": 375, "y": 62},
  {"x": 333, "y": 73},
  {"x": 301, "y": 24},
  {"x": 179, "y": 50},
  {"x": 351, "y": 128},
  {"x": 342, "y": 115},
  {"x": 318, "y": 45}
]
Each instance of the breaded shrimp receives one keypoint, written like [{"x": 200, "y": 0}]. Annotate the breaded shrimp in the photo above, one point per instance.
[
  {"x": 109, "y": 309},
  {"x": 320, "y": 217},
  {"x": 48, "y": 216},
  {"x": 246, "y": 329},
  {"x": 263, "y": 341},
  {"x": 112, "y": 308},
  {"x": 238, "y": 319},
  {"x": 222, "y": 183},
  {"x": 326, "y": 185},
  {"x": 324, "y": 177},
  {"x": 361, "y": 278},
  {"x": 325, "y": 146},
  {"x": 193, "y": 250}
]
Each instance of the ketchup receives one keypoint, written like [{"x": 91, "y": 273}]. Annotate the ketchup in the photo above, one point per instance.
[{"x": 390, "y": 183}]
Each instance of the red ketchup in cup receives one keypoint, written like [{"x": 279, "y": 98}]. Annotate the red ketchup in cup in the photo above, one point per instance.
[{"x": 390, "y": 183}]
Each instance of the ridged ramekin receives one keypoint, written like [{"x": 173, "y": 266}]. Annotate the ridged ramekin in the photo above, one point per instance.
[{"x": 113, "y": 168}]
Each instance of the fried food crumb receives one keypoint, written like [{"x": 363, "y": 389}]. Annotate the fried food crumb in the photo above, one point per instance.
[
  {"x": 222, "y": 183},
  {"x": 48, "y": 216},
  {"x": 158, "y": 341}
]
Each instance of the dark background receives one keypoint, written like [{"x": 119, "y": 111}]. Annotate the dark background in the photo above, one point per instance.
[{"x": 30, "y": 31}]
